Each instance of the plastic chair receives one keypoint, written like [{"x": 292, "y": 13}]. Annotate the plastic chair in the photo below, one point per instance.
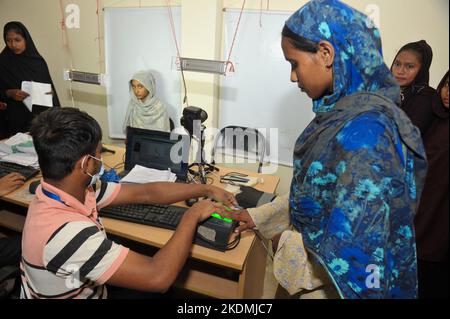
[{"x": 240, "y": 141}]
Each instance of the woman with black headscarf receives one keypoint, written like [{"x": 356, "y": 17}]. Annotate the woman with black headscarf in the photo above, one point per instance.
[
  {"x": 3, "y": 107},
  {"x": 19, "y": 61},
  {"x": 411, "y": 69},
  {"x": 431, "y": 222}
]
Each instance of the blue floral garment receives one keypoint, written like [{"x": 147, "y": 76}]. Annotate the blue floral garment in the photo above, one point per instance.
[
  {"x": 359, "y": 166},
  {"x": 358, "y": 65}
]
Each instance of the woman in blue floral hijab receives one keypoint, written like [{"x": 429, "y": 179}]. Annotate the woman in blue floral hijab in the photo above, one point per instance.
[{"x": 359, "y": 166}]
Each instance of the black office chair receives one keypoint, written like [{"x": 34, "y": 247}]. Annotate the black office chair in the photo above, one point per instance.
[
  {"x": 9, "y": 267},
  {"x": 9, "y": 277},
  {"x": 240, "y": 141}
]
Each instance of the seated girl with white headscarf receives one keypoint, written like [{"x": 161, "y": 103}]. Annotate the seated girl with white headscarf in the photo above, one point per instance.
[{"x": 145, "y": 110}]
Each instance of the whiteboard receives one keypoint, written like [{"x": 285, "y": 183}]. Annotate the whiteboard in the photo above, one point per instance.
[
  {"x": 140, "y": 39},
  {"x": 260, "y": 93}
]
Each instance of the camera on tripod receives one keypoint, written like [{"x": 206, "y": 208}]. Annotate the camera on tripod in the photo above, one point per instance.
[
  {"x": 193, "y": 115},
  {"x": 192, "y": 120}
]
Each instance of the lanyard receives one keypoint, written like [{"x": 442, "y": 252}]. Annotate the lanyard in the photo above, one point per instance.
[
  {"x": 58, "y": 199},
  {"x": 53, "y": 196}
]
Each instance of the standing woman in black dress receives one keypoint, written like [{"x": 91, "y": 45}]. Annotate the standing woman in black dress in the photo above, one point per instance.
[
  {"x": 432, "y": 218},
  {"x": 411, "y": 69},
  {"x": 19, "y": 61}
]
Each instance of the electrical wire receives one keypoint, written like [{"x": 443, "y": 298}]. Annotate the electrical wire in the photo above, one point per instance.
[
  {"x": 259, "y": 236},
  {"x": 234, "y": 39},
  {"x": 172, "y": 27},
  {"x": 71, "y": 94},
  {"x": 195, "y": 179},
  {"x": 66, "y": 46},
  {"x": 121, "y": 164},
  {"x": 100, "y": 55},
  {"x": 63, "y": 26},
  {"x": 231, "y": 245}
]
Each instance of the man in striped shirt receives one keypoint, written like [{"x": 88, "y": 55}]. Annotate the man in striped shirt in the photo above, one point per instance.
[{"x": 65, "y": 250}]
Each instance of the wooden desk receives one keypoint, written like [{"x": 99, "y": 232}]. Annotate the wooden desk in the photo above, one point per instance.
[{"x": 238, "y": 273}]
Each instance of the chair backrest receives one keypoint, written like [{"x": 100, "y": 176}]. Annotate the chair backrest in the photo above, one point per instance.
[
  {"x": 9, "y": 276},
  {"x": 240, "y": 141}
]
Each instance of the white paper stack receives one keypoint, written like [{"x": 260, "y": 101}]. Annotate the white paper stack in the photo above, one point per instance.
[
  {"x": 40, "y": 93},
  {"x": 19, "y": 143},
  {"x": 19, "y": 149},
  {"x": 142, "y": 175},
  {"x": 22, "y": 159}
]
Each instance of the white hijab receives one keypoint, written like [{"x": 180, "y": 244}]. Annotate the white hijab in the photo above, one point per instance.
[{"x": 149, "y": 113}]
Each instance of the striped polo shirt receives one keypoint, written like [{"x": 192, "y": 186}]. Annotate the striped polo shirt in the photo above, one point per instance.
[{"x": 65, "y": 250}]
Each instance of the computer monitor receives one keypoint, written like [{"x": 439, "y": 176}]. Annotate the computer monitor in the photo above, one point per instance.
[{"x": 152, "y": 149}]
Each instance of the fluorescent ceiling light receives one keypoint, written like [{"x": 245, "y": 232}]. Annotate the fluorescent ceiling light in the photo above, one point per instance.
[
  {"x": 84, "y": 77},
  {"x": 204, "y": 66}
]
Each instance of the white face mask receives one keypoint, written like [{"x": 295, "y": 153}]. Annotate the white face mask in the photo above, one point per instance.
[{"x": 95, "y": 177}]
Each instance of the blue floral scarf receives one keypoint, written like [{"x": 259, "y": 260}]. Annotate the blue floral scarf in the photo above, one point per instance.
[{"x": 359, "y": 166}]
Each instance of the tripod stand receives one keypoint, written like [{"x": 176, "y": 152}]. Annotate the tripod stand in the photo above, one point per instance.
[{"x": 203, "y": 168}]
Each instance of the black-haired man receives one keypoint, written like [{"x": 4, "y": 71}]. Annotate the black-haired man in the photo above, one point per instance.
[{"x": 63, "y": 236}]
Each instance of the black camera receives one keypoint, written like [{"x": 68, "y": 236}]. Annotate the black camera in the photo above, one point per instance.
[{"x": 191, "y": 114}]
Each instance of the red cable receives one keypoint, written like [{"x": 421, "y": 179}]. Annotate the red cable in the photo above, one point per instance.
[
  {"x": 98, "y": 36},
  {"x": 172, "y": 26},
  {"x": 234, "y": 38},
  {"x": 63, "y": 25}
]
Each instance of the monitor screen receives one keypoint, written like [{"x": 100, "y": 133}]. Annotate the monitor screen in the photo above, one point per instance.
[{"x": 156, "y": 149}]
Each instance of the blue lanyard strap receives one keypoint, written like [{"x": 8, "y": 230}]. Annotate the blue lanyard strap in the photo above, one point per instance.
[{"x": 53, "y": 196}]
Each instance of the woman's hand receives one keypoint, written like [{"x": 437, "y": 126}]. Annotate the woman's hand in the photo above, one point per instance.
[
  {"x": 3, "y": 106},
  {"x": 17, "y": 95},
  {"x": 10, "y": 182},
  {"x": 222, "y": 196},
  {"x": 246, "y": 221}
]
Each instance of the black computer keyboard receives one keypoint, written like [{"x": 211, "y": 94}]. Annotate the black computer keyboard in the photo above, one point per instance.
[
  {"x": 212, "y": 233},
  {"x": 27, "y": 171}
]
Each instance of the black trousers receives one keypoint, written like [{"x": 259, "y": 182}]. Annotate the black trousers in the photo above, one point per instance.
[
  {"x": 10, "y": 251},
  {"x": 433, "y": 279}
]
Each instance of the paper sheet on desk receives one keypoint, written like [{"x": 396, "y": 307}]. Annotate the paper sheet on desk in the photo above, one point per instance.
[
  {"x": 19, "y": 143},
  {"x": 141, "y": 175},
  {"x": 38, "y": 94},
  {"x": 22, "y": 159}
]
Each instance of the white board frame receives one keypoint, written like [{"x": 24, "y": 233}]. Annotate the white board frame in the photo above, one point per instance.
[
  {"x": 260, "y": 94},
  {"x": 130, "y": 46}
]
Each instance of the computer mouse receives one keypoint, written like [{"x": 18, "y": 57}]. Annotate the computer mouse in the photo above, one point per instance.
[
  {"x": 191, "y": 201},
  {"x": 33, "y": 186}
]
